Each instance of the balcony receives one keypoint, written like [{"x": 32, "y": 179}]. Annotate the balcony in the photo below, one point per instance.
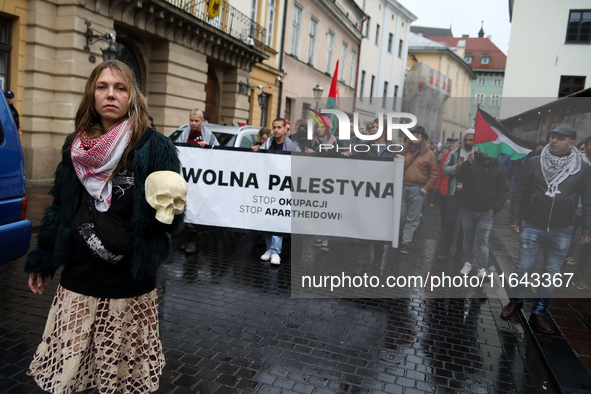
[{"x": 229, "y": 20}]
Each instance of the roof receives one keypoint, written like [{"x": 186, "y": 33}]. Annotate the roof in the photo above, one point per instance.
[
  {"x": 477, "y": 47},
  {"x": 418, "y": 44},
  {"x": 431, "y": 31}
]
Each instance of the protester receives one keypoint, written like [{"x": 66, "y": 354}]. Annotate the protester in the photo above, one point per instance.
[
  {"x": 452, "y": 164},
  {"x": 420, "y": 176},
  {"x": 543, "y": 213},
  {"x": 287, "y": 128},
  {"x": 196, "y": 133},
  {"x": 322, "y": 139},
  {"x": 483, "y": 196},
  {"x": 262, "y": 137},
  {"x": 380, "y": 147},
  {"x": 442, "y": 184},
  {"x": 585, "y": 251},
  {"x": 10, "y": 99},
  {"x": 102, "y": 329},
  {"x": 278, "y": 143}
]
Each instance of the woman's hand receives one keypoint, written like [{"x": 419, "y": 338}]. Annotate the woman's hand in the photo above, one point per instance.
[
  {"x": 37, "y": 283},
  {"x": 309, "y": 151}
]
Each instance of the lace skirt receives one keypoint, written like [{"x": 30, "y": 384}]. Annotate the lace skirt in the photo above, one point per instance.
[{"x": 111, "y": 344}]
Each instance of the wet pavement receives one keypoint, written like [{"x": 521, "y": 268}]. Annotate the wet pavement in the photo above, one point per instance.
[{"x": 229, "y": 324}]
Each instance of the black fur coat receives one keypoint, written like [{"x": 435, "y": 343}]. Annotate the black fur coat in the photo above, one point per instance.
[{"x": 152, "y": 152}]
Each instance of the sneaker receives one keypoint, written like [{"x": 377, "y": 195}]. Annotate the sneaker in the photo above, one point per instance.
[
  {"x": 266, "y": 256},
  {"x": 403, "y": 249},
  {"x": 580, "y": 284},
  {"x": 481, "y": 273},
  {"x": 324, "y": 245},
  {"x": 275, "y": 259},
  {"x": 570, "y": 261},
  {"x": 466, "y": 269}
]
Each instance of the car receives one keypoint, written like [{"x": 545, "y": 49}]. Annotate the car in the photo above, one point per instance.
[
  {"x": 229, "y": 136},
  {"x": 15, "y": 229}
]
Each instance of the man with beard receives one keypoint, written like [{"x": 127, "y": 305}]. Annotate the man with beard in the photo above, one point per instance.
[
  {"x": 420, "y": 176},
  {"x": 452, "y": 202},
  {"x": 543, "y": 211},
  {"x": 483, "y": 195}
]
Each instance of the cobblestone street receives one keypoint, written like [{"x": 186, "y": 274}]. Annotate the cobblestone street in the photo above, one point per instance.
[{"x": 229, "y": 324}]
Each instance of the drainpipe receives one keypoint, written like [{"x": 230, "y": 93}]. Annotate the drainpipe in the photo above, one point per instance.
[
  {"x": 281, "y": 60},
  {"x": 358, "y": 59}
]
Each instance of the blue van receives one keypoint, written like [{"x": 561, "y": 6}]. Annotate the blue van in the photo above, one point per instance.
[{"x": 15, "y": 229}]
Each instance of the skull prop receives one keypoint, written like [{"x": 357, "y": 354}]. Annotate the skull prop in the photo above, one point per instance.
[{"x": 166, "y": 192}]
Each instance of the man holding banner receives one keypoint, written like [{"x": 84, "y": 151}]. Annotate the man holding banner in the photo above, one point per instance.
[
  {"x": 196, "y": 133},
  {"x": 276, "y": 144}
]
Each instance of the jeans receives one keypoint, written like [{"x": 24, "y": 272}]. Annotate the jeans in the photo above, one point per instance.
[
  {"x": 477, "y": 227},
  {"x": 410, "y": 211},
  {"x": 274, "y": 243},
  {"x": 449, "y": 228},
  {"x": 555, "y": 243}
]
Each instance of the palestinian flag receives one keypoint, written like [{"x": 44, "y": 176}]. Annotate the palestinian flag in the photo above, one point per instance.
[
  {"x": 333, "y": 98},
  {"x": 493, "y": 139}
]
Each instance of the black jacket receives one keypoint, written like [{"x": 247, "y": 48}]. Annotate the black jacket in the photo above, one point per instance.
[
  {"x": 530, "y": 202},
  {"x": 153, "y": 152},
  {"x": 484, "y": 186}
]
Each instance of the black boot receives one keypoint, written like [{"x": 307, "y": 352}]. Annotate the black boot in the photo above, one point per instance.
[{"x": 191, "y": 243}]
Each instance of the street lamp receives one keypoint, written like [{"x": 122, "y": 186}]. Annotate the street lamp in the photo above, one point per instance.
[
  {"x": 318, "y": 94},
  {"x": 92, "y": 36},
  {"x": 263, "y": 97}
]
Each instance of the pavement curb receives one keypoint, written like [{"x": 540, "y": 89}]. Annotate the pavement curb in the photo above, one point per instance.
[{"x": 566, "y": 370}]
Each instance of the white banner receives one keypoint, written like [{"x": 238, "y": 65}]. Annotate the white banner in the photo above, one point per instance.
[{"x": 312, "y": 195}]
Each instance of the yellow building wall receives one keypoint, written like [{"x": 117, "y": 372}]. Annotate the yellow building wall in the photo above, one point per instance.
[
  {"x": 457, "y": 107},
  {"x": 267, "y": 78}
]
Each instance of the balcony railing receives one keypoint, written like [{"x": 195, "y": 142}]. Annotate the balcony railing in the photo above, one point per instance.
[{"x": 229, "y": 20}]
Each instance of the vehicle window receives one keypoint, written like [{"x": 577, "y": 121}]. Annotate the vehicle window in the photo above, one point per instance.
[
  {"x": 247, "y": 141},
  {"x": 225, "y": 139}
]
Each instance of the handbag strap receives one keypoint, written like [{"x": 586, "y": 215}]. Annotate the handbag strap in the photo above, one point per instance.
[{"x": 411, "y": 161}]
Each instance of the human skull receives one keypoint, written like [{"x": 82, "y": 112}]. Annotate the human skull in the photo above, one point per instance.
[{"x": 166, "y": 192}]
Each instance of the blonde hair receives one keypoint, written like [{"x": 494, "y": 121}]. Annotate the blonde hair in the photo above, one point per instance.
[{"x": 89, "y": 121}]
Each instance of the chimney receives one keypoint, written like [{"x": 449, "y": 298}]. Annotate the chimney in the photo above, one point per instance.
[
  {"x": 489, "y": 37},
  {"x": 465, "y": 35}
]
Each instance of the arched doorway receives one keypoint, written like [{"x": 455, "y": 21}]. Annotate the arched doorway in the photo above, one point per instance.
[
  {"x": 127, "y": 56},
  {"x": 211, "y": 96}
]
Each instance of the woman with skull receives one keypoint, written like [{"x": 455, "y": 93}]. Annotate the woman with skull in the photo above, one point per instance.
[{"x": 102, "y": 328}]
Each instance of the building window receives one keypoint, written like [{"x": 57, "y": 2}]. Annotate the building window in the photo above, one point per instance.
[
  {"x": 270, "y": 23},
  {"x": 312, "y": 41},
  {"x": 253, "y": 18},
  {"x": 287, "y": 108},
  {"x": 496, "y": 82},
  {"x": 385, "y": 97},
  {"x": 495, "y": 100},
  {"x": 570, "y": 85},
  {"x": 468, "y": 59},
  {"x": 352, "y": 69},
  {"x": 362, "y": 85},
  {"x": 481, "y": 81},
  {"x": 329, "y": 43},
  {"x": 484, "y": 59},
  {"x": 579, "y": 26},
  {"x": 390, "y": 39},
  {"x": 373, "y": 81},
  {"x": 296, "y": 21},
  {"x": 400, "y": 44},
  {"x": 479, "y": 99},
  {"x": 343, "y": 60},
  {"x": 304, "y": 110},
  {"x": 377, "y": 33},
  {"x": 5, "y": 49},
  {"x": 395, "y": 97},
  {"x": 367, "y": 27}
]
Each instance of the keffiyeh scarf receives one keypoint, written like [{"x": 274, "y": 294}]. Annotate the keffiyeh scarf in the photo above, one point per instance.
[
  {"x": 95, "y": 165},
  {"x": 557, "y": 168}
]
